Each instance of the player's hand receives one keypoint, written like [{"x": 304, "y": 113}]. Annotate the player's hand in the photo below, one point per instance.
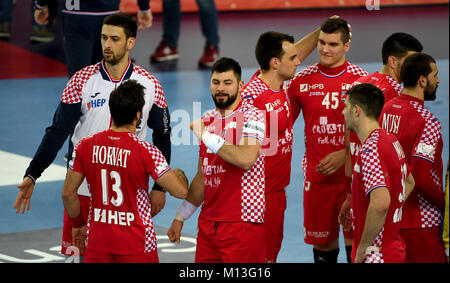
[
  {"x": 197, "y": 127},
  {"x": 144, "y": 20},
  {"x": 79, "y": 238},
  {"x": 24, "y": 196},
  {"x": 158, "y": 200},
  {"x": 174, "y": 232},
  {"x": 331, "y": 163},
  {"x": 41, "y": 16},
  {"x": 344, "y": 215}
]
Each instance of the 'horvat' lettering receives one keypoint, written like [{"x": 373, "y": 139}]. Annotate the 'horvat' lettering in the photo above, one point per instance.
[{"x": 110, "y": 155}]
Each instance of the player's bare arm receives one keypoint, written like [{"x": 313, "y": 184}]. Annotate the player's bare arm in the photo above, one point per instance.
[
  {"x": 243, "y": 155},
  {"x": 194, "y": 198},
  {"x": 375, "y": 217},
  {"x": 174, "y": 184},
  {"x": 69, "y": 194}
]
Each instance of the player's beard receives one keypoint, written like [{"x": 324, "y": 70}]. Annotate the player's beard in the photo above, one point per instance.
[
  {"x": 114, "y": 58},
  {"x": 223, "y": 104},
  {"x": 430, "y": 92}
]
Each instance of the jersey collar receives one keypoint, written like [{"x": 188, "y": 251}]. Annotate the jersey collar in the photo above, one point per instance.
[
  {"x": 333, "y": 72},
  {"x": 125, "y": 76}
]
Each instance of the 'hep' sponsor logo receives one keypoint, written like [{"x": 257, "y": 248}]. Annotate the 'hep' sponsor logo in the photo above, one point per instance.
[{"x": 96, "y": 103}]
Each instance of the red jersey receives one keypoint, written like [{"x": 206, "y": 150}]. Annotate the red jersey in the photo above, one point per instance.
[
  {"x": 233, "y": 194},
  {"x": 419, "y": 133},
  {"x": 390, "y": 88},
  {"x": 117, "y": 166},
  {"x": 381, "y": 163},
  {"x": 277, "y": 146},
  {"x": 320, "y": 92}
]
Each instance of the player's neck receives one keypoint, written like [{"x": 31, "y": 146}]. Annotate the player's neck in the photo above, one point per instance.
[
  {"x": 366, "y": 129},
  {"x": 271, "y": 79},
  {"x": 123, "y": 129},
  {"x": 414, "y": 92},
  {"x": 388, "y": 71},
  {"x": 116, "y": 71}
]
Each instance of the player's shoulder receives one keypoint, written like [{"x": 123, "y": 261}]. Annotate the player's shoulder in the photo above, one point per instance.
[
  {"x": 356, "y": 70},
  {"x": 88, "y": 71},
  {"x": 254, "y": 88},
  {"x": 428, "y": 117},
  {"x": 145, "y": 146},
  {"x": 306, "y": 72},
  {"x": 250, "y": 111},
  {"x": 212, "y": 113},
  {"x": 151, "y": 83}
]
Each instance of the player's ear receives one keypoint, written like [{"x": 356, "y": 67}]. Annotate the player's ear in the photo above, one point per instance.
[
  {"x": 274, "y": 63},
  {"x": 392, "y": 62},
  {"x": 422, "y": 81},
  {"x": 130, "y": 43}
]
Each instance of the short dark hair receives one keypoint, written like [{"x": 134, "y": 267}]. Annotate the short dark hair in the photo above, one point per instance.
[
  {"x": 226, "y": 64},
  {"x": 122, "y": 20},
  {"x": 414, "y": 66},
  {"x": 269, "y": 45},
  {"x": 398, "y": 44},
  {"x": 126, "y": 101},
  {"x": 333, "y": 25},
  {"x": 367, "y": 96}
]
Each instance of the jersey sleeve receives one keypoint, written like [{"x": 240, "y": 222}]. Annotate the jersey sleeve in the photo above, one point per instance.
[
  {"x": 155, "y": 162},
  {"x": 254, "y": 125},
  {"x": 76, "y": 164},
  {"x": 373, "y": 171},
  {"x": 426, "y": 146}
]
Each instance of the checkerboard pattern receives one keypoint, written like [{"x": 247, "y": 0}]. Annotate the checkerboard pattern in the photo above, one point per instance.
[
  {"x": 72, "y": 92},
  {"x": 253, "y": 198},
  {"x": 160, "y": 99},
  {"x": 161, "y": 165},
  {"x": 356, "y": 70},
  {"x": 373, "y": 176},
  {"x": 144, "y": 210},
  {"x": 431, "y": 132},
  {"x": 429, "y": 215},
  {"x": 395, "y": 85},
  {"x": 254, "y": 88}
]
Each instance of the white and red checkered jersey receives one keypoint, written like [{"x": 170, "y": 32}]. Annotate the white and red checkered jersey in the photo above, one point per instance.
[
  {"x": 92, "y": 86},
  {"x": 277, "y": 146},
  {"x": 419, "y": 133},
  {"x": 381, "y": 163},
  {"x": 117, "y": 167},
  {"x": 390, "y": 88},
  {"x": 233, "y": 194},
  {"x": 320, "y": 93}
]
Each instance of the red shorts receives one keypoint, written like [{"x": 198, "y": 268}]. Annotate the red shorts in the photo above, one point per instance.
[
  {"x": 85, "y": 202},
  {"x": 424, "y": 245},
  {"x": 92, "y": 256},
  {"x": 274, "y": 222},
  {"x": 229, "y": 242},
  {"x": 322, "y": 203}
]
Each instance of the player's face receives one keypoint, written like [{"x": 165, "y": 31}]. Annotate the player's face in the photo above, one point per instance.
[
  {"x": 225, "y": 90},
  {"x": 332, "y": 49},
  {"x": 432, "y": 84},
  {"x": 115, "y": 44},
  {"x": 289, "y": 61},
  {"x": 348, "y": 115}
]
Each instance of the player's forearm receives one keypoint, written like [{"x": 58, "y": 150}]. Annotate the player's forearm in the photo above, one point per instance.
[
  {"x": 307, "y": 44},
  {"x": 196, "y": 193},
  {"x": 242, "y": 156},
  {"x": 375, "y": 218}
]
